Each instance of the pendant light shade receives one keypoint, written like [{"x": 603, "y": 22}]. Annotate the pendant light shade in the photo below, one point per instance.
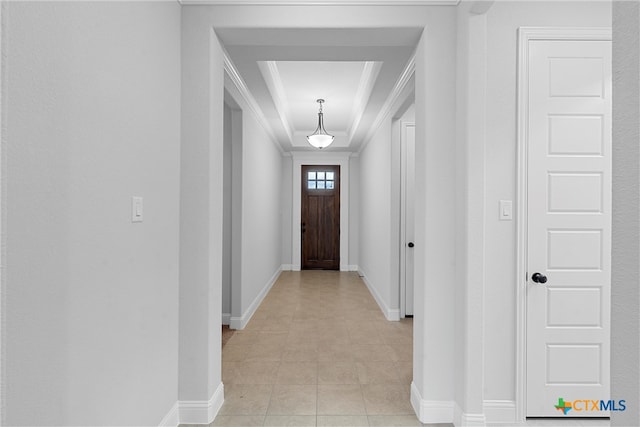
[{"x": 320, "y": 138}]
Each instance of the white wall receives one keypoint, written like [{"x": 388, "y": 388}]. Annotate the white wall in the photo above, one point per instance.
[
  {"x": 286, "y": 208},
  {"x": 261, "y": 212},
  {"x": 201, "y": 221},
  {"x": 92, "y": 107},
  {"x": 376, "y": 247},
  {"x": 354, "y": 211},
  {"x": 236, "y": 212},
  {"x": 409, "y": 115},
  {"x": 258, "y": 183},
  {"x": 227, "y": 217},
  {"x": 434, "y": 254},
  {"x": 469, "y": 213},
  {"x": 625, "y": 294},
  {"x": 503, "y": 20}
]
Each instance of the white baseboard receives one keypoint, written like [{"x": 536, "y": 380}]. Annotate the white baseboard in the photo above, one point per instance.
[
  {"x": 389, "y": 313},
  {"x": 457, "y": 415},
  {"x": 292, "y": 267},
  {"x": 461, "y": 419},
  {"x": 474, "y": 420},
  {"x": 241, "y": 322},
  {"x": 226, "y": 318},
  {"x": 172, "y": 419},
  {"x": 431, "y": 411},
  {"x": 500, "y": 411},
  {"x": 201, "y": 412}
]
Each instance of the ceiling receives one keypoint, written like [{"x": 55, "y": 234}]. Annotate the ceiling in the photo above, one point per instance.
[
  {"x": 325, "y": 2},
  {"x": 287, "y": 70}
]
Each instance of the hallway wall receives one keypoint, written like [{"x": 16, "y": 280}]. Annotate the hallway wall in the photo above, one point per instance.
[
  {"x": 227, "y": 216},
  {"x": 90, "y": 315},
  {"x": 261, "y": 240},
  {"x": 379, "y": 195},
  {"x": 354, "y": 211},
  {"x": 376, "y": 247},
  {"x": 286, "y": 210}
]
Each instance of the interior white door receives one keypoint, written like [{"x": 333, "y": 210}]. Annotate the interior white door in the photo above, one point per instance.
[
  {"x": 408, "y": 141},
  {"x": 568, "y": 227}
]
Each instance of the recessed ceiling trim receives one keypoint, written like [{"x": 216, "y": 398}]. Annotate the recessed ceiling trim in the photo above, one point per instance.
[
  {"x": 322, "y": 2},
  {"x": 273, "y": 80},
  {"x": 234, "y": 75},
  {"x": 367, "y": 82},
  {"x": 408, "y": 71}
]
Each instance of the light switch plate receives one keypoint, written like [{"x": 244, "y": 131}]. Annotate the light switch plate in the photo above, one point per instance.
[
  {"x": 506, "y": 210},
  {"x": 136, "y": 209}
]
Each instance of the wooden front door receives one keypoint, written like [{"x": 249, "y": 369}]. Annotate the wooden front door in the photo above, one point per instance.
[{"x": 321, "y": 217}]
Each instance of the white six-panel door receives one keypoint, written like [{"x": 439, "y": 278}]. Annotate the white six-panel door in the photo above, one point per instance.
[{"x": 568, "y": 225}]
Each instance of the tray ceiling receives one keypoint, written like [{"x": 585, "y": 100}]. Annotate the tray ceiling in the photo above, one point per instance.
[{"x": 286, "y": 70}]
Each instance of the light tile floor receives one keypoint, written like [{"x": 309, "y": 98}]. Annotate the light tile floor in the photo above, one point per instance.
[{"x": 318, "y": 352}]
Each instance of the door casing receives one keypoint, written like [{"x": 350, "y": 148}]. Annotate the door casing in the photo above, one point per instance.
[
  {"x": 406, "y": 229},
  {"x": 525, "y": 35}
]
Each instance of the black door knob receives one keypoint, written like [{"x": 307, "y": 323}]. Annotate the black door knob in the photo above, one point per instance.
[
  {"x": 410, "y": 244},
  {"x": 539, "y": 278}
]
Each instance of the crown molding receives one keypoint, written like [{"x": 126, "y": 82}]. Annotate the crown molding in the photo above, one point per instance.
[
  {"x": 367, "y": 81},
  {"x": 393, "y": 97},
  {"x": 231, "y": 71},
  {"x": 321, "y": 2},
  {"x": 273, "y": 80}
]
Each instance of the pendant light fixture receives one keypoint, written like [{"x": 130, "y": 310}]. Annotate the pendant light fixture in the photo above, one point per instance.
[{"x": 320, "y": 138}]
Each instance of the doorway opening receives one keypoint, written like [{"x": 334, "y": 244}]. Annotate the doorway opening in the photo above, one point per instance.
[
  {"x": 407, "y": 131},
  {"x": 232, "y": 210},
  {"x": 403, "y": 141}
]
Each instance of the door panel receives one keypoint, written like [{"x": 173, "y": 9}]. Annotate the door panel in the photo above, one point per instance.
[
  {"x": 569, "y": 225},
  {"x": 320, "y": 217}
]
